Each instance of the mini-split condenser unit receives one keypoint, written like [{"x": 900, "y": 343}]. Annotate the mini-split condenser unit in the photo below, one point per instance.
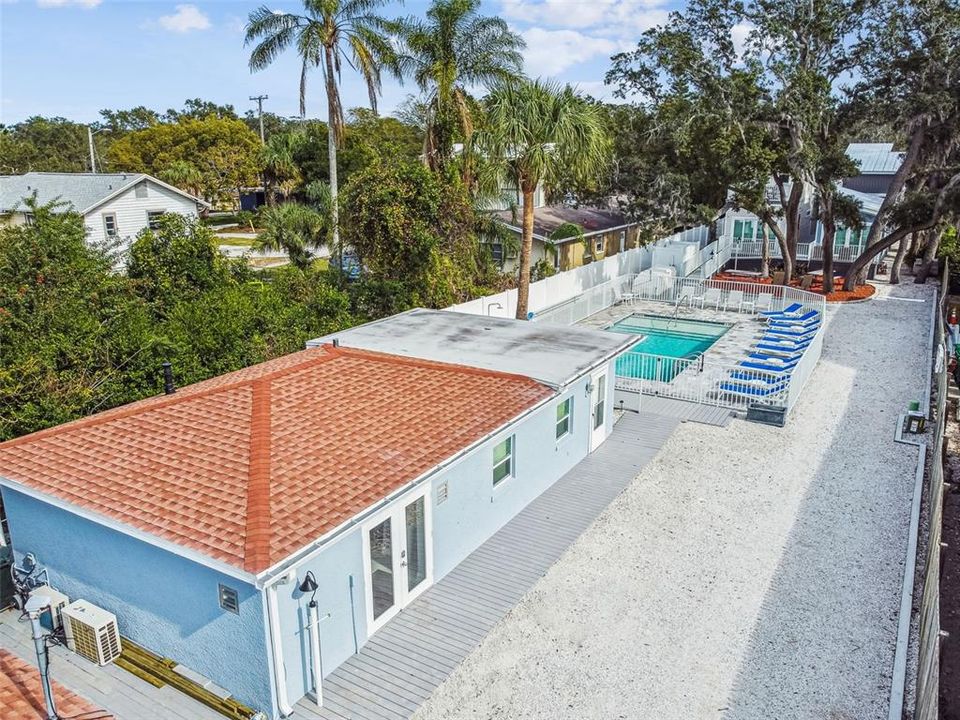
[
  {"x": 91, "y": 632},
  {"x": 58, "y": 601}
]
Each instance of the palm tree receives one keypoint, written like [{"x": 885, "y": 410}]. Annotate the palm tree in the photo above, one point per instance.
[
  {"x": 184, "y": 175},
  {"x": 328, "y": 34},
  {"x": 278, "y": 157},
  {"x": 295, "y": 229},
  {"x": 538, "y": 130},
  {"x": 453, "y": 49}
]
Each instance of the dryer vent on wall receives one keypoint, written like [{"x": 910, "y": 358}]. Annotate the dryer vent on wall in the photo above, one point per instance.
[{"x": 91, "y": 632}]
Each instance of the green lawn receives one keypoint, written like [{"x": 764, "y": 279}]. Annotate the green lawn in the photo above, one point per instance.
[{"x": 235, "y": 241}]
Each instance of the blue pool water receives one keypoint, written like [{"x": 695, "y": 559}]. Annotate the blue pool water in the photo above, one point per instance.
[{"x": 663, "y": 337}]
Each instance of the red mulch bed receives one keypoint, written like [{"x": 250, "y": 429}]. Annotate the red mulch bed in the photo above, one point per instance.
[{"x": 861, "y": 292}]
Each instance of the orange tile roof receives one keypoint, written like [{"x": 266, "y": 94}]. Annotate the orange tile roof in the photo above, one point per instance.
[
  {"x": 21, "y": 697},
  {"x": 251, "y": 466}
]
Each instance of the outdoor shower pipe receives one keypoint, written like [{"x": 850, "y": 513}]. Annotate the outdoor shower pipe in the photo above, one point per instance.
[{"x": 35, "y": 606}]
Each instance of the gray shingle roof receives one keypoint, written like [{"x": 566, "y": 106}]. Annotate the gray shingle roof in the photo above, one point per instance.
[
  {"x": 875, "y": 158},
  {"x": 82, "y": 190}
]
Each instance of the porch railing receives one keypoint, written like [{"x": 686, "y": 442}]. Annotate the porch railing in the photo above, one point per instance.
[{"x": 753, "y": 249}]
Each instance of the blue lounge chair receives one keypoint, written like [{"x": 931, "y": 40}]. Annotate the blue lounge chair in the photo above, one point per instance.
[
  {"x": 789, "y": 310},
  {"x": 781, "y": 349},
  {"x": 768, "y": 367},
  {"x": 791, "y": 357},
  {"x": 785, "y": 335},
  {"x": 811, "y": 316},
  {"x": 752, "y": 390},
  {"x": 768, "y": 379},
  {"x": 799, "y": 333}
]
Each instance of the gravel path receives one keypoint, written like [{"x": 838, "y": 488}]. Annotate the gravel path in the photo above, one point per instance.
[{"x": 749, "y": 572}]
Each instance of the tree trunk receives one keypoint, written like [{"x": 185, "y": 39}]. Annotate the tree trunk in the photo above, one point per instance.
[
  {"x": 526, "y": 249},
  {"x": 784, "y": 248},
  {"x": 793, "y": 229},
  {"x": 829, "y": 234},
  {"x": 765, "y": 252},
  {"x": 906, "y": 245},
  {"x": 893, "y": 193},
  {"x": 849, "y": 280},
  {"x": 927, "y": 268},
  {"x": 333, "y": 121}
]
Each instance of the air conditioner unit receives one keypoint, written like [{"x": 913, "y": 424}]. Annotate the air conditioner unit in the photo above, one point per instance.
[
  {"x": 91, "y": 632},
  {"x": 53, "y": 619}
]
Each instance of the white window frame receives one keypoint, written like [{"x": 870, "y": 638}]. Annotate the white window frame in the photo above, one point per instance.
[
  {"x": 29, "y": 219},
  {"x": 106, "y": 230},
  {"x": 509, "y": 459},
  {"x": 151, "y": 221},
  {"x": 568, "y": 401}
]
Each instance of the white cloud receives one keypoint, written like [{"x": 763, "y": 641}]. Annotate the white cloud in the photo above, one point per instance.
[
  {"x": 739, "y": 33},
  {"x": 550, "y": 52},
  {"x": 622, "y": 17},
  {"x": 185, "y": 19},
  {"x": 88, "y": 4}
]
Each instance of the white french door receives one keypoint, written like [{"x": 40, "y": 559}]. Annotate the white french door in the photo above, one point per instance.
[{"x": 398, "y": 558}]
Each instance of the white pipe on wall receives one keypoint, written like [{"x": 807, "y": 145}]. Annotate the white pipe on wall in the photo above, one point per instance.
[
  {"x": 316, "y": 663},
  {"x": 276, "y": 645}
]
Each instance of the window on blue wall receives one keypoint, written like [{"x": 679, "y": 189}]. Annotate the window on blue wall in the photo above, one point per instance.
[
  {"x": 748, "y": 229},
  {"x": 563, "y": 417},
  {"x": 228, "y": 599},
  {"x": 503, "y": 460},
  {"x": 840, "y": 236},
  {"x": 738, "y": 229}
]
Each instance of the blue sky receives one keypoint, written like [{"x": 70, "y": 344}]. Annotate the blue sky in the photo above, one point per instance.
[{"x": 71, "y": 58}]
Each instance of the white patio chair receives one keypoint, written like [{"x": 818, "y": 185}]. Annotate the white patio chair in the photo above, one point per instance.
[
  {"x": 764, "y": 302},
  {"x": 734, "y": 299},
  {"x": 689, "y": 293},
  {"x": 711, "y": 296}
]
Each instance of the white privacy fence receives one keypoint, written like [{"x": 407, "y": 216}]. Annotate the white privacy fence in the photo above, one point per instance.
[{"x": 681, "y": 252}]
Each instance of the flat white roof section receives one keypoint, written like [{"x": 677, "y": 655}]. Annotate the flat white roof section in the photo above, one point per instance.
[{"x": 552, "y": 354}]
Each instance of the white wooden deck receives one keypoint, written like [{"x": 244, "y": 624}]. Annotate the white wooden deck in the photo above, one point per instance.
[
  {"x": 109, "y": 688},
  {"x": 401, "y": 665}
]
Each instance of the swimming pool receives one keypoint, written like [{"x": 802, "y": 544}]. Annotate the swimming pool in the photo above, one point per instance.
[{"x": 663, "y": 337}]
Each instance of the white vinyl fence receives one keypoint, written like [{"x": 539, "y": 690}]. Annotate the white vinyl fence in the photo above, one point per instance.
[{"x": 681, "y": 252}]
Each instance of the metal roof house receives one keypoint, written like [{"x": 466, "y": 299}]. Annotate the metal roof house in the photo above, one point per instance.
[
  {"x": 115, "y": 206},
  {"x": 878, "y": 164},
  {"x": 196, "y": 517}
]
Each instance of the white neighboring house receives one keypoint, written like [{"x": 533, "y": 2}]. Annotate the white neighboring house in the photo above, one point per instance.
[{"x": 114, "y": 206}]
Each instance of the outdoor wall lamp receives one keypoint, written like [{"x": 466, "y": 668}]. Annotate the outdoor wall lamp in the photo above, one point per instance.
[{"x": 309, "y": 585}]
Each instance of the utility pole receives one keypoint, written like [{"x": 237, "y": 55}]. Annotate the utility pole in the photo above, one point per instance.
[
  {"x": 93, "y": 158},
  {"x": 258, "y": 99}
]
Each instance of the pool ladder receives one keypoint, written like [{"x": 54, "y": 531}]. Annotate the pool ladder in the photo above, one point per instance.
[{"x": 676, "y": 310}]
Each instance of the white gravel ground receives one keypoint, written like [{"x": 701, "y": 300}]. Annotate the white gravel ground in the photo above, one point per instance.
[{"x": 748, "y": 572}]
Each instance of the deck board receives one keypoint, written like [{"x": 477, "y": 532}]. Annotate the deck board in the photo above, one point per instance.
[{"x": 398, "y": 669}]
